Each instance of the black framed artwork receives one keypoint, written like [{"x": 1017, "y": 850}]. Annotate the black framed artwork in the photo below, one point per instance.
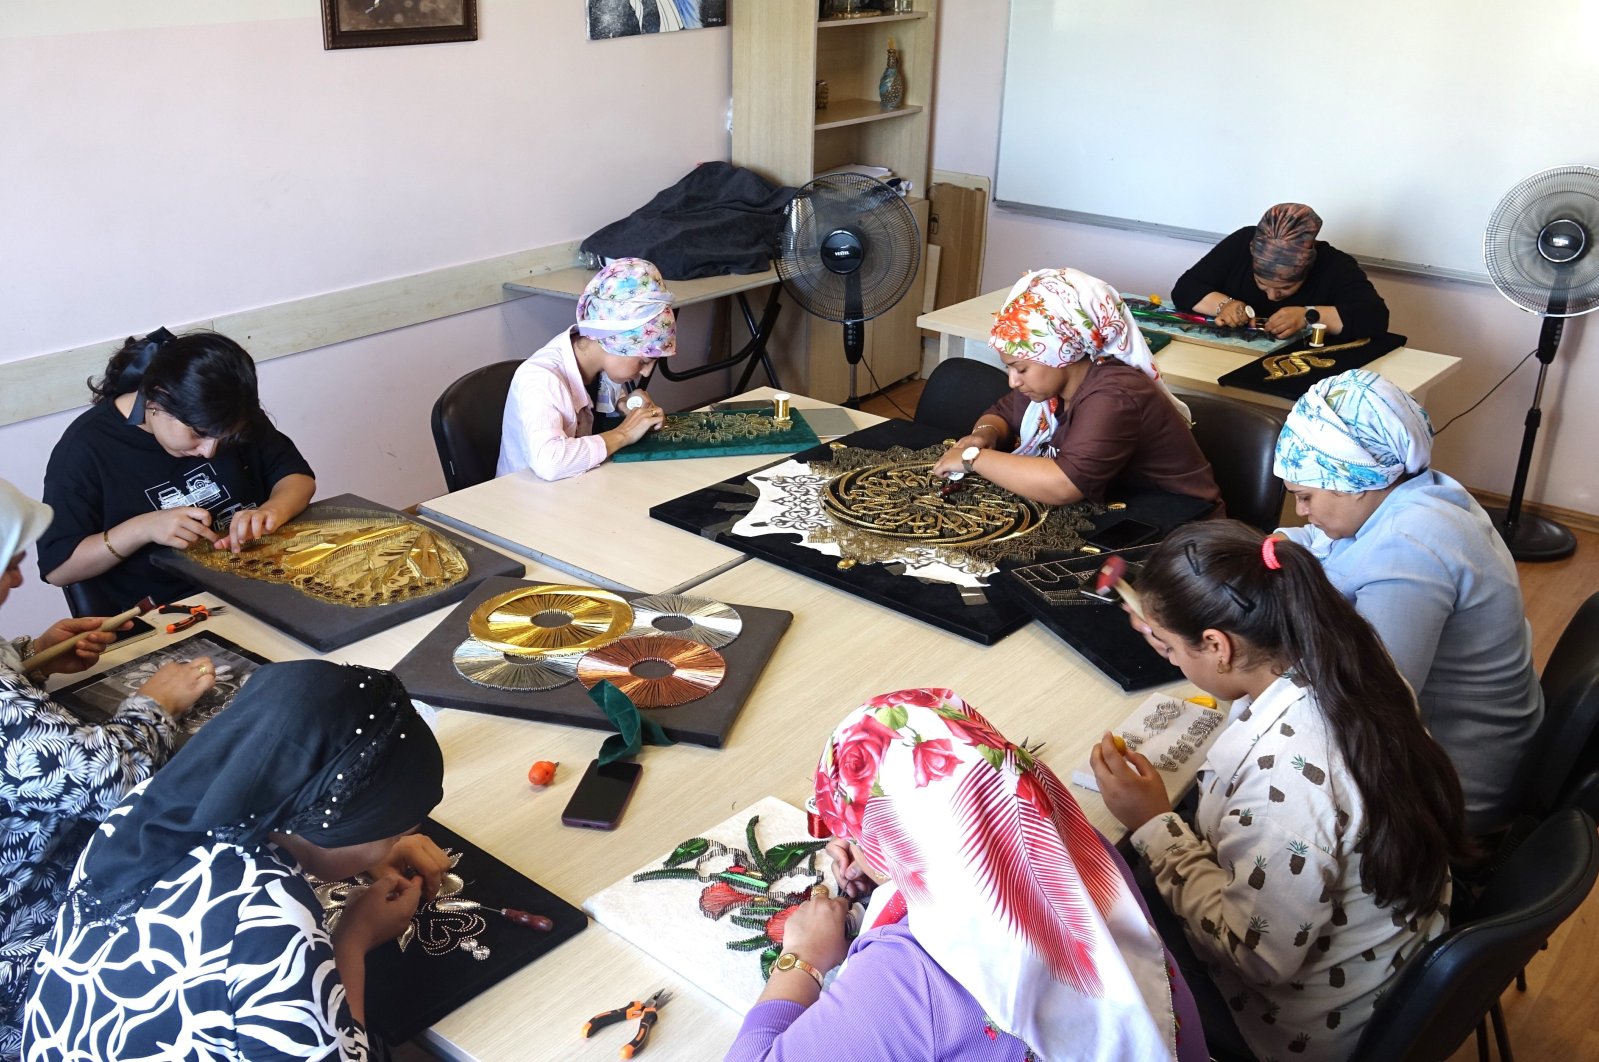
[{"x": 376, "y": 23}]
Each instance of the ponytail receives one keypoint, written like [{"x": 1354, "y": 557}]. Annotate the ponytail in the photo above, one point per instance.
[
  {"x": 1218, "y": 575},
  {"x": 203, "y": 379}
]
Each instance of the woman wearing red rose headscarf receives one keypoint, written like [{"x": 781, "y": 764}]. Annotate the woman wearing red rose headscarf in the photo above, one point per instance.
[
  {"x": 1278, "y": 272},
  {"x": 1000, "y": 926},
  {"x": 1086, "y": 409}
]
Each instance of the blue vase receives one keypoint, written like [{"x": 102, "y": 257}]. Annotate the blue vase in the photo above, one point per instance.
[{"x": 891, "y": 89}]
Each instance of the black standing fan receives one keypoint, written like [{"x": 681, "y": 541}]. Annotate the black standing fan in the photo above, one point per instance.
[
  {"x": 850, "y": 251},
  {"x": 1541, "y": 256}
]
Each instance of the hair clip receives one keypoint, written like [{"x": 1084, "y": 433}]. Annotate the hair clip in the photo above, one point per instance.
[{"x": 1191, "y": 552}]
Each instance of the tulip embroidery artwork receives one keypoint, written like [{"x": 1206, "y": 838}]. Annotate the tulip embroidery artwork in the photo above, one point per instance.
[{"x": 754, "y": 888}]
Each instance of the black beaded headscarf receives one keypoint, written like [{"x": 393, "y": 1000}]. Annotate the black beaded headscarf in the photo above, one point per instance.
[{"x": 334, "y": 753}]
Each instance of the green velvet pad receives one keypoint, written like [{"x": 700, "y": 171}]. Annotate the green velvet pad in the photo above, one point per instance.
[{"x": 798, "y": 436}]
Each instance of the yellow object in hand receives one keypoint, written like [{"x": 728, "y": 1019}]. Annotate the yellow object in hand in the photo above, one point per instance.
[{"x": 1204, "y": 700}]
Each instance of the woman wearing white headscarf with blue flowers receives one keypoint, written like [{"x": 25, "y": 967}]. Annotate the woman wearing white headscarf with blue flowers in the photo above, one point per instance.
[
  {"x": 1421, "y": 561},
  {"x": 60, "y": 776}
]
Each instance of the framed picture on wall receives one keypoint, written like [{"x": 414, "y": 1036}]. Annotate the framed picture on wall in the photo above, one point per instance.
[
  {"x": 628, "y": 18},
  {"x": 375, "y": 23}
]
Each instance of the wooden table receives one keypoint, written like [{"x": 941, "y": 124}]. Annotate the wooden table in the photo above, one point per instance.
[
  {"x": 597, "y": 526},
  {"x": 1188, "y": 365}
]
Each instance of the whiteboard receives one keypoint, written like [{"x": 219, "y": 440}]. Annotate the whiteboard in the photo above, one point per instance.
[{"x": 1402, "y": 122}]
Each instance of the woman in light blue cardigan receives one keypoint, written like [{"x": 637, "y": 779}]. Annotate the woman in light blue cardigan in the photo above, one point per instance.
[{"x": 1423, "y": 564}]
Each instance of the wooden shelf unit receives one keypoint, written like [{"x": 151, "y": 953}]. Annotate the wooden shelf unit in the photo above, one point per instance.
[{"x": 780, "y": 50}]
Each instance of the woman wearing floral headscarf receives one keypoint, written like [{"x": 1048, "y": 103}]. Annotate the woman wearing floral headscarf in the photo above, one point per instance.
[
  {"x": 60, "y": 776},
  {"x": 1279, "y": 272},
  {"x": 624, "y": 322},
  {"x": 1086, "y": 407},
  {"x": 1001, "y": 927},
  {"x": 1421, "y": 561}
]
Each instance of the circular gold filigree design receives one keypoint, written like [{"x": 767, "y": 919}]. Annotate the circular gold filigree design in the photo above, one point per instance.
[
  {"x": 551, "y": 618},
  {"x": 905, "y": 501},
  {"x": 694, "y": 670}
]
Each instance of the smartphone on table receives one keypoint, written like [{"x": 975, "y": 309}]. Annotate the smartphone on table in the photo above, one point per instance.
[
  {"x": 1122, "y": 534},
  {"x": 602, "y": 795}
]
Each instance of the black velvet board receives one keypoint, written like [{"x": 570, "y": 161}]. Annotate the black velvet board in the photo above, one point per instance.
[
  {"x": 410, "y": 990},
  {"x": 323, "y": 625},
  {"x": 429, "y": 674},
  {"x": 1097, "y": 630},
  {"x": 1252, "y": 377},
  {"x": 976, "y": 614}
]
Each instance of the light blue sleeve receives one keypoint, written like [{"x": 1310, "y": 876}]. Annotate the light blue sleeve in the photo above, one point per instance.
[{"x": 1407, "y": 593}]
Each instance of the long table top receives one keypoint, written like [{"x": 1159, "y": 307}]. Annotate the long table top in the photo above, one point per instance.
[
  {"x": 1193, "y": 365},
  {"x": 597, "y": 526}
]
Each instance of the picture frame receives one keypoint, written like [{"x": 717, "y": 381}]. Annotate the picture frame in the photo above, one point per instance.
[
  {"x": 379, "y": 23},
  {"x": 96, "y": 698}
]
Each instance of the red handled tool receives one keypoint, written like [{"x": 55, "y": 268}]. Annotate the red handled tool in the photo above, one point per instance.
[
  {"x": 196, "y": 613},
  {"x": 645, "y": 1010},
  {"x": 1114, "y": 574}
]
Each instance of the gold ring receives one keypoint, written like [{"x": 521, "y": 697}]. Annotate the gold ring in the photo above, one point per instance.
[
  {"x": 203, "y": 669},
  {"x": 819, "y": 892}
]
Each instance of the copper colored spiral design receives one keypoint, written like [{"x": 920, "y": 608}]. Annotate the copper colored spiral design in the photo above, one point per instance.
[{"x": 696, "y": 670}]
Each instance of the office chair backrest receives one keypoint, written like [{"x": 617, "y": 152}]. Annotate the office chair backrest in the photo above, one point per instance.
[
  {"x": 1447, "y": 987},
  {"x": 958, "y": 391},
  {"x": 1239, "y": 439},
  {"x": 82, "y": 600},
  {"x": 466, "y": 424}
]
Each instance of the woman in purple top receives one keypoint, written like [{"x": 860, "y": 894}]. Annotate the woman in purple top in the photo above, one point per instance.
[{"x": 999, "y": 924}]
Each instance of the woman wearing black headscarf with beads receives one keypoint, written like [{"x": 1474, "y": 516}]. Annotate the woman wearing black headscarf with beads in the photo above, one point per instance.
[{"x": 190, "y": 930}]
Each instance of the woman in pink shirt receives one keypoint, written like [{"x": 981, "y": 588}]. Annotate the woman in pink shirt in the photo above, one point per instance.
[{"x": 624, "y": 322}]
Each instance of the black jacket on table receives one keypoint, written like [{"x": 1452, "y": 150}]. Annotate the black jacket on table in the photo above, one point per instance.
[{"x": 1335, "y": 279}]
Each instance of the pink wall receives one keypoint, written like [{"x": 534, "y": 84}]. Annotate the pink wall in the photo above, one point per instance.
[
  {"x": 1469, "y": 321},
  {"x": 173, "y": 173}
]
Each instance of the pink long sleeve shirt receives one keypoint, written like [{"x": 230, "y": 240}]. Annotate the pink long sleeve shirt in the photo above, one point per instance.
[{"x": 549, "y": 417}]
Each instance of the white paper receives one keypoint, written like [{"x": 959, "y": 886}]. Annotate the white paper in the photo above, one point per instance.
[{"x": 1175, "y": 734}]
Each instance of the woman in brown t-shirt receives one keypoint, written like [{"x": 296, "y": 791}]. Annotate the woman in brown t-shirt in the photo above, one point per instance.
[{"x": 1086, "y": 407}]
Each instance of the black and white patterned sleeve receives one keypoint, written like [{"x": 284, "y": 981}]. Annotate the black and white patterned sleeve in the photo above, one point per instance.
[{"x": 288, "y": 1001}]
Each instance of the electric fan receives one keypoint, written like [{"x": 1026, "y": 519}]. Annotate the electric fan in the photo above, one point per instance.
[
  {"x": 1541, "y": 256},
  {"x": 850, "y": 251}
]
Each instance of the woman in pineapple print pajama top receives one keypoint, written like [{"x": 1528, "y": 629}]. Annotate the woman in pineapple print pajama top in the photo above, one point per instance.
[{"x": 1318, "y": 859}]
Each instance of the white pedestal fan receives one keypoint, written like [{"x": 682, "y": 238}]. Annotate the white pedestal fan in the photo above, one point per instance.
[{"x": 1541, "y": 256}]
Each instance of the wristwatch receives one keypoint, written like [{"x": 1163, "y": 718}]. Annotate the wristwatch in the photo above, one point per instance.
[
  {"x": 969, "y": 455},
  {"x": 1312, "y": 315},
  {"x": 789, "y": 961}
]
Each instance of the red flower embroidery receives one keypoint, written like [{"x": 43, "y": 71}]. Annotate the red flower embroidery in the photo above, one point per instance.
[
  {"x": 912, "y": 699},
  {"x": 933, "y": 760},
  {"x": 774, "y": 925},
  {"x": 859, "y": 753}
]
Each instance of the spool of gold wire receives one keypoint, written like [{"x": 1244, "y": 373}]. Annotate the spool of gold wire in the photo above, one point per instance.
[
  {"x": 551, "y": 618},
  {"x": 691, "y": 670}
]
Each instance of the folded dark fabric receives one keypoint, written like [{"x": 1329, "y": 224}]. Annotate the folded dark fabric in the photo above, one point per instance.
[{"x": 717, "y": 220}]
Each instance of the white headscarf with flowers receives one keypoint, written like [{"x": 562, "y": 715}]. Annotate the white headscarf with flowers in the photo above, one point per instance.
[
  {"x": 1001, "y": 877},
  {"x": 1056, "y": 317}
]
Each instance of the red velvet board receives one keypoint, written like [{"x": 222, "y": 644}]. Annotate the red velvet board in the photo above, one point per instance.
[{"x": 429, "y": 673}]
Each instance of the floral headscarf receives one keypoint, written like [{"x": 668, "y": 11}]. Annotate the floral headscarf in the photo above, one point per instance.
[
  {"x": 22, "y": 521},
  {"x": 1284, "y": 244},
  {"x": 1002, "y": 879},
  {"x": 1353, "y": 432},
  {"x": 627, "y": 309}
]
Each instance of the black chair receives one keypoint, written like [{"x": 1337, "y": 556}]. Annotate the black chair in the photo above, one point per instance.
[
  {"x": 1453, "y": 984},
  {"x": 959, "y": 391},
  {"x": 82, "y": 601},
  {"x": 466, "y": 424},
  {"x": 1240, "y": 439},
  {"x": 1564, "y": 772}
]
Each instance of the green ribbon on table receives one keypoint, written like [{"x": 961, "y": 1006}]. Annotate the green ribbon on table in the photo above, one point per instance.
[{"x": 633, "y": 731}]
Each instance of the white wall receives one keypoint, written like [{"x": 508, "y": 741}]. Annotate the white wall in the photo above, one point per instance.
[
  {"x": 168, "y": 167},
  {"x": 1470, "y": 321}
]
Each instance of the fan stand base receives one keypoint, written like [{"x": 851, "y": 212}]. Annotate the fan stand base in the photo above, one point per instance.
[{"x": 1535, "y": 539}]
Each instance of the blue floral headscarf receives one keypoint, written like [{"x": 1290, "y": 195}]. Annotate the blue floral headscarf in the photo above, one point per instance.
[{"x": 1353, "y": 432}]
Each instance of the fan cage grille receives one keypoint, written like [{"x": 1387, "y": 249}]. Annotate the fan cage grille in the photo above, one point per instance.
[
  {"x": 887, "y": 229},
  {"x": 1510, "y": 245}
]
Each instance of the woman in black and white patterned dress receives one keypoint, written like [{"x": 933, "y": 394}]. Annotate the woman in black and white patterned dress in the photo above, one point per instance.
[
  {"x": 190, "y": 930},
  {"x": 60, "y": 776}
]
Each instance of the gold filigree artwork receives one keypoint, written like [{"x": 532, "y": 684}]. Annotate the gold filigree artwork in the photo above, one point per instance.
[
  {"x": 718, "y": 427},
  {"x": 352, "y": 558},
  {"x": 1283, "y": 366},
  {"x": 887, "y": 506}
]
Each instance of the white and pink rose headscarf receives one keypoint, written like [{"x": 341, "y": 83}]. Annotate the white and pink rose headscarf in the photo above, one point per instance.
[
  {"x": 628, "y": 311},
  {"x": 1003, "y": 880},
  {"x": 1059, "y": 316}
]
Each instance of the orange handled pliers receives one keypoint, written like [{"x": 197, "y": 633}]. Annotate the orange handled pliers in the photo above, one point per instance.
[
  {"x": 196, "y": 613},
  {"x": 645, "y": 1010}
]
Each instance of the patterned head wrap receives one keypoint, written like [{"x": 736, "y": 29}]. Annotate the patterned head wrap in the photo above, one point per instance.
[
  {"x": 628, "y": 310},
  {"x": 22, "y": 521},
  {"x": 334, "y": 753},
  {"x": 1003, "y": 880},
  {"x": 1284, "y": 247},
  {"x": 1353, "y": 432}
]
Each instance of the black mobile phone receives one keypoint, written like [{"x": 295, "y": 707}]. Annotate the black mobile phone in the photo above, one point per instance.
[
  {"x": 1122, "y": 534},
  {"x": 602, "y": 795}
]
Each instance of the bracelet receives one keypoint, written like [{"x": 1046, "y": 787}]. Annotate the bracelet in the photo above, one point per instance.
[
  {"x": 1223, "y": 306},
  {"x": 789, "y": 961},
  {"x": 990, "y": 427},
  {"x": 105, "y": 536}
]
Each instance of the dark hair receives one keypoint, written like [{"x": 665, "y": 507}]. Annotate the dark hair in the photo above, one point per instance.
[
  {"x": 203, "y": 379},
  {"x": 1211, "y": 575}
]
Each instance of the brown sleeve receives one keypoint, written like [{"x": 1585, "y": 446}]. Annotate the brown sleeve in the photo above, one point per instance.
[
  {"x": 1099, "y": 440},
  {"x": 1009, "y": 408}
]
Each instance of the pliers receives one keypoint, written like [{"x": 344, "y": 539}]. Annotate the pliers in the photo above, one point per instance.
[
  {"x": 196, "y": 613},
  {"x": 645, "y": 1010}
]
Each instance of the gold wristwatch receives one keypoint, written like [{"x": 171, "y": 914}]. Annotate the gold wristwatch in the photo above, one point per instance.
[{"x": 789, "y": 961}]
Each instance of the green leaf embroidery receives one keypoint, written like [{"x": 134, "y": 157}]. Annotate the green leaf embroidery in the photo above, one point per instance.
[
  {"x": 692, "y": 848},
  {"x": 995, "y": 757},
  {"x": 893, "y": 717}
]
